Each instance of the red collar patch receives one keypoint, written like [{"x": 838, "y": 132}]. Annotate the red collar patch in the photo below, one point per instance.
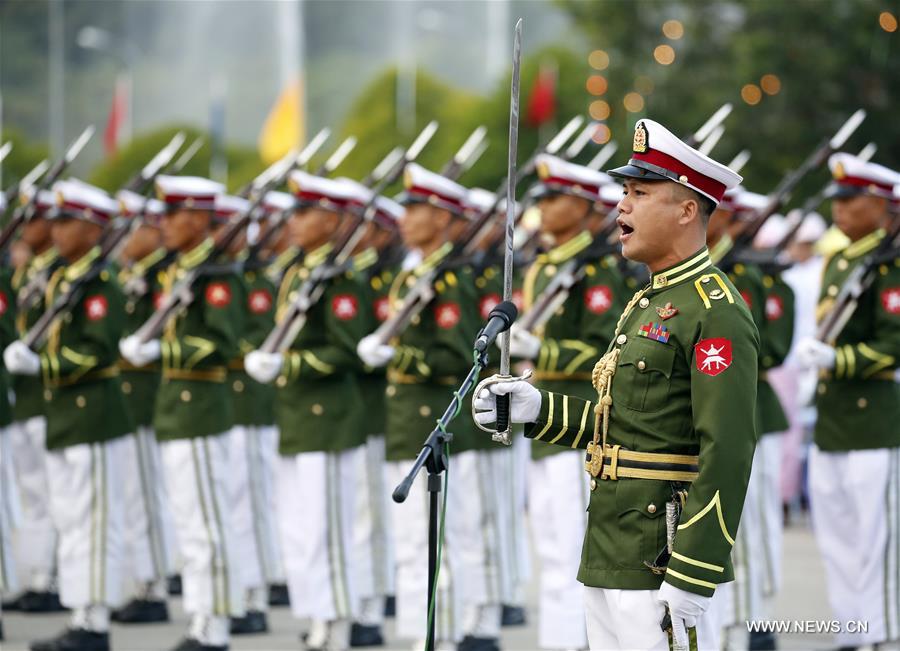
[{"x": 344, "y": 306}]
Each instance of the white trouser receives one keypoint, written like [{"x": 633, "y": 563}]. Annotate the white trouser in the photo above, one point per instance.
[
  {"x": 373, "y": 554},
  {"x": 9, "y": 513},
  {"x": 149, "y": 535},
  {"x": 519, "y": 506},
  {"x": 316, "y": 492},
  {"x": 855, "y": 500},
  {"x": 198, "y": 478},
  {"x": 253, "y": 520},
  {"x": 267, "y": 498},
  {"x": 630, "y": 619},
  {"x": 88, "y": 510},
  {"x": 35, "y": 537},
  {"x": 499, "y": 482},
  {"x": 409, "y": 522},
  {"x": 558, "y": 505}
]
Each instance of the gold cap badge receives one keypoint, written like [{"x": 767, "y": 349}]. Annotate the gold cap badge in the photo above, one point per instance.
[{"x": 639, "y": 146}]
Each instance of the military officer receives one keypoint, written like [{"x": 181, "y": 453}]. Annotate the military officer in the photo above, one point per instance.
[
  {"x": 279, "y": 252},
  {"x": 149, "y": 535},
  {"x": 854, "y": 471},
  {"x": 670, "y": 438},
  {"x": 564, "y": 350},
  {"x": 34, "y": 538},
  {"x": 193, "y": 411},
  {"x": 86, "y": 419},
  {"x": 424, "y": 364},
  {"x": 320, "y": 418}
]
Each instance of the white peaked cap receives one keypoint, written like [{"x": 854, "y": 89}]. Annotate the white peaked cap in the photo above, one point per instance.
[
  {"x": 771, "y": 232},
  {"x": 192, "y": 192},
  {"x": 277, "y": 201},
  {"x": 558, "y": 175},
  {"x": 131, "y": 203},
  {"x": 812, "y": 229},
  {"x": 659, "y": 155},
  {"x": 83, "y": 201},
  {"x": 424, "y": 186},
  {"x": 853, "y": 176}
]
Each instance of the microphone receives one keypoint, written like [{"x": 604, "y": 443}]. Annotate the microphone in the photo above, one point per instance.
[{"x": 499, "y": 320}]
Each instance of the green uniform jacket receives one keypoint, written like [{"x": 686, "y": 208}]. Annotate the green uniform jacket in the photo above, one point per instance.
[
  {"x": 575, "y": 337},
  {"x": 684, "y": 383},
  {"x": 29, "y": 390},
  {"x": 859, "y": 401},
  {"x": 320, "y": 405},
  {"x": 254, "y": 403},
  {"x": 7, "y": 336},
  {"x": 83, "y": 391},
  {"x": 193, "y": 399},
  {"x": 433, "y": 355},
  {"x": 142, "y": 286}
]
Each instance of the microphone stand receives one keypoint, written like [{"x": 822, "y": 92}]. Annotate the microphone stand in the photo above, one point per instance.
[{"x": 434, "y": 458}]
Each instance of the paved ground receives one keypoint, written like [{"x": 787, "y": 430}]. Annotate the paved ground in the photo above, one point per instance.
[{"x": 803, "y": 598}]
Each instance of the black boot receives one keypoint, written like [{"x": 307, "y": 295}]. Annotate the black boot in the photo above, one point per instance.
[
  {"x": 362, "y": 635},
  {"x": 762, "y": 641},
  {"x": 254, "y": 622},
  {"x": 74, "y": 639},
  {"x": 173, "y": 585},
  {"x": 472, "y": 643},
  {"x": 390, "y": 606},
  {"x": 191, "y": 644},
  {"x": 513, "y": 616},
  {"x": 278, "y": 595},
  {"x": 32, "y": 601},
  {"x": 141, "y": 611}
]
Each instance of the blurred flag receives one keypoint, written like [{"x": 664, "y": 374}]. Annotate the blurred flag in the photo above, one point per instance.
[
  {"x": 542, "y": 102},
  {"x": 284, "y": 127},
  {"x": 118, "y": 114}
]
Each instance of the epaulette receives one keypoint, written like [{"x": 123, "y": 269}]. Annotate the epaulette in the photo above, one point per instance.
[{"x": 712, "y": 288}]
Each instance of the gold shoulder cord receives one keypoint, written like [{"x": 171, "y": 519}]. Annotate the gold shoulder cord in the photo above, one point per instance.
[{"x": 601, "y": 378}]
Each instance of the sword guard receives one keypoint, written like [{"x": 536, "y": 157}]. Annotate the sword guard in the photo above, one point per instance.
[{"x": 499, "y": 435}]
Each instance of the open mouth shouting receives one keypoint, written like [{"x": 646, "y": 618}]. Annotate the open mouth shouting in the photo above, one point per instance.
[{"x": 626, "y": 229}]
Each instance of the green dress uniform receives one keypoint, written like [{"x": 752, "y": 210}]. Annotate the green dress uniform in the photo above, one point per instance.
[
  {"x": 676, "y": 414},
  {"x": 573, "y": 338},
  {"x": 319, "y": 406},
  {"x": 193, "y": 399},
  {"x": 7, "y": 335}
]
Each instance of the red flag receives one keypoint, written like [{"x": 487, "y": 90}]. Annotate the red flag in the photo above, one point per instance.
[
  {"x": 117, "y": 114},
  {"x": 542, "y": 103}
]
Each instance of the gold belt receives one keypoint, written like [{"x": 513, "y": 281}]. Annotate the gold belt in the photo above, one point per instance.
[
  {"x": 236, "y": 364},
  {"x": 617, "y": 463},
  {"x": 396, "y": 377},
  {"x": 826, "y": 374},
  {"x": 90, "y": 376},
  {"x": 128, "y": 367},
  {"x": 559, "y": 375},
  {"x": 216, "y": 374}
]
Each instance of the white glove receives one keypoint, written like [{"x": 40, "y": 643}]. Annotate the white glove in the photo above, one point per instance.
[
  {"x": 139, "y": 354},
  {"x": 263, "y": 367},
  {"x": 522, "y": 343},
  {"x": 812, "y": 352},
  {"x": 20, "y": 359},
  {"x": 373, "y": 353},
  {"x": 524, "y": 402},
  {"x": 684, "y": 609}
]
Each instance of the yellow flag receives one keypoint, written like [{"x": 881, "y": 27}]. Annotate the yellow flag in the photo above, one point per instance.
[{"x": 284, "y": 127}]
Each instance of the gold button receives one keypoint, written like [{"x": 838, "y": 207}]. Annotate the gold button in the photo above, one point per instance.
[
  {"x": 662, "y": 281},
  {"x": 126, "y": 387},
  {"x": 416, "y": 320},
  {"x": 642, "y": 365},
  {"x": 644, "y": 302},
  {"x": 129, "y": 307},
  {"x": 821, "y": 389},
  {"x": 292, "y": 296},
  {"x": 390, "y": 391},
  {"x": 593, "y": 484},
  {"x": 704, "y": 280},
  {"x": 318, "y": 409},
  {"x": 48, "y": 395},
  {"x": 862, "y": 403},
  {"x": 238, "y": 386},
  {"x": 304, "y": 274},
  {"x": 561, "y": 310},
  {"x": 651, "y": 508},
  {"x": 410, "y": 281},
  {"x": 185, "y": 396},
  {"x": 842, "y": 264},
  {"x": 550, "y": 270},
  {"x": 68, "y": 318},
  {"x": 425, "y": 411},
  {"x": 621, "y": 339},
  {"x": 80, "y": 401},
  {"x": 281, "y": 381},
  {"x": 832, "y": 290}
]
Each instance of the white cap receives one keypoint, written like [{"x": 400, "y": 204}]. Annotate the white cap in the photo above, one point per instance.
[
  {"x": 771, "y": 232},
  {"x": 331, "y": 194},
  {"x": 228, "y": 205},
  {"x": 658, "y": 154},
  {"x": 479, "y": 200},
  {"x": 424, "y": 186},
  {"x": 751, "y": 203},
  {"x": 80, "y": 200},
  {"x": 611, "y": 195},
  {"x": 853, "y": 176},
  {"x": 558, "y": 175},
  {"x": 191, "y": 192},
  {"x": 812, "y": 229},
  {"x": 132, "y": 203},
  {"x": 278, "y": 201},
  {"x": 388, "y": 211}
]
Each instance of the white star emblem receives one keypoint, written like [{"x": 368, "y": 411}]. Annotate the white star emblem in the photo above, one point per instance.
[
  {"x": 892, "y": 301},
  {"x": 95, "y": 307},
  {"x": 447, "y": 316},
  {"x": 599, "y": 299},
  {"x": 714, "y": 360},
  {"x": 773, "y": 308},
  {"x": 344, "y": 307},
  {"x": 260, "y": 301}
]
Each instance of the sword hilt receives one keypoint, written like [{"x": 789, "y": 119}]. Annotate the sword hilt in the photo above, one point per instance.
[{"x": 502, "y": 434}]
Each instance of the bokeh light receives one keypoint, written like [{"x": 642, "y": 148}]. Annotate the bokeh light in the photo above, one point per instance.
[
  {"x": 888, "y": 21},
  {"x": 770, "y": 84},
  {"x": 599, "y": 110},
  {"x": 602, "y": 134},
  {"x": 664, "y": 54},
  {"x": 633, "y": 102},
  {"x": 596, "y": 84},
  {"x": 673, "y": 29},
  {"x": 751, "y": 94},
  {"x": 598, "y": 60}
]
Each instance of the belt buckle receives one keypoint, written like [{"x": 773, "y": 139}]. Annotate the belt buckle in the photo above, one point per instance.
[{"x": 593, "y": 464}]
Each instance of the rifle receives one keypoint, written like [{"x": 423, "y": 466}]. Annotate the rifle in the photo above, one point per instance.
[
  {"x": 294, "y": 318},
  {"x": 181, "y": 295},
  {"x": 460, "y": 162},
  {"x": 25, "y": 212},
  {"x": 711, "y": 124},
  {"x": 603, "y": 156},
  {"x": 26, "y": 181},
  {"x": 783, "y": 190}
]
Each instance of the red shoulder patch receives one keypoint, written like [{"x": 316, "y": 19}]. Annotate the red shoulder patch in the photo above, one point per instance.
[
  {"x": 382, "y": 308},
  {"x": 96, "y": 307},
  {"x": 598, "y": 298},
  {"x": 218, "y": 294},
  {"x": 4, "y": 303},
  {"x": 713, "y": 355},
  {"x": 890, "y": 300},
  {"x": 259, "y": 301},
  {"x": 447, "y": 315},
  {"x": 157, "y": 300},
  {"x": 774, "y": 307},
  {"x": 344, "y": 306},
  {"x": 488, "y": 303},
  {"x": 747, "y": 298}
]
